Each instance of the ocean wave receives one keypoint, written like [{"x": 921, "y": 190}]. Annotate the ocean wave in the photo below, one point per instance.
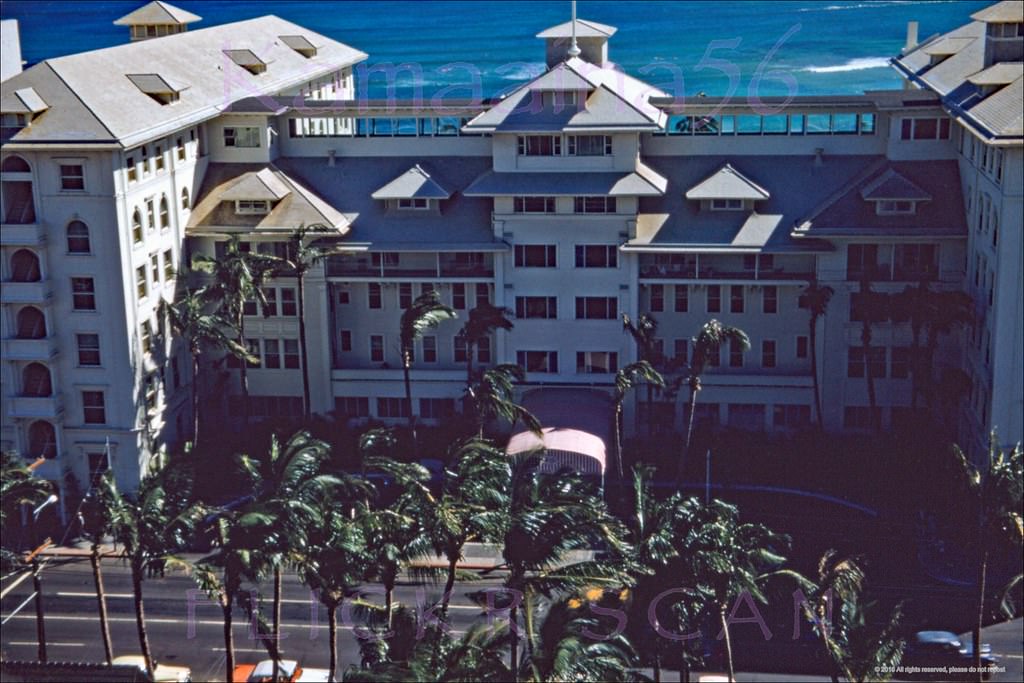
[
  {"x": 521, "y": 71},
  {"x": 858, "y": 64},
  {"x": 864, "y": 5}
]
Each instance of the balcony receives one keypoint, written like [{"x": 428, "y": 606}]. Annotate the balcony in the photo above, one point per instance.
[
  {"x": 13, "y": 235},
  {"x": 30, "y": 349},
  {"x": 35, "y": 407},
  {"x": 726, "y": 267},
  {"x": 26, "y": 292},
  {"x": 886, "y": 272},
  {"x": 411, "y": 265}
]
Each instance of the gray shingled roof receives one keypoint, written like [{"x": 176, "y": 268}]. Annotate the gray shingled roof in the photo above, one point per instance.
[
  {"x": 727, "y": 183},
  {"x": 157, "y": 12},
  {"x": 414, "y": 183},
  {"x": 92, "y": 101},
  {"x": 24, "y": 101},
  {"x": 1002, "y": 73},
  {"x": 584, "y": 29},
  {"x": 544, "y": 184},
  {"x": 1006, "y": 12},
  {"x": 263, "y": 184},
  {"x": 891, "y": 185},
  {"x": 847, "y": 213}
]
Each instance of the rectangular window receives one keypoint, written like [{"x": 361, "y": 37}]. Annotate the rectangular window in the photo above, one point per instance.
[
  {"x": 352, "y": 406},
  {"x": 158, "y": 152},
  {"x": 88, "y": 349},
  {"x": 681, "y": 348},
  {"x": 404, "y": 295},
  {"x": 539, "y": 145},
  {"x": 459, "y": 353},
  {"x": 427, "y": 287},
  {"x": 736, "y": 298},
  {"x": 726, "y": 204},
  {"x": 483, "y": 293},
  {"x": 875, "y": 364},
  {"x": 271, "y": 354},
  {"x": 770, "y": 299},
  {"x": 538, "y": 361},
  {"x": 657, "y": 298},
  {"x": 536, "y": 256},
  {"x": 801, "y": 346},
  {"x": 242, "y": 136},
  {"x": 414, "y": 203},
  {"x": 150, "y": 214},
  {"x": 714, "y": 304},
  {"x": 289, "y": 303},
  {"x": 94, "y": 409},
  {"x": 83, "y": 293},
  {"x": 146, "y": 336},
  {"x": 483, "y": 350},
  {"x": 459, "y": 296},
  {"x": 72, "y": 177},
  {"x": 250, "y": 307},
  {"x": 430, "y": 349},
  {"x": 436, "y": 408},
  {"x": 145, "y": 159},
  {"x": 537, "y": 307},
  {"x": 682, "y": 298},
  {"x": 735, "y": 354},
  {"x": 900, "y": 362},
  {"x": 291, "y": 354},
  {"x": 133, "y": 173},
  {"x": 533, "y": 204},
  {"x": 179, "y": 145},
  {"x": 154, "y": 268},
  {"x": 590, "y": 145},
  {"x": 141, "y": 283},
  {"x": 861, "y": 260},
  {"x": 594, "y": 204},
  {"x": 373, "y": 295},
  {"x": 768, "y": 353},
  {"x": 256, "y": 207},
  {"x": 597, "y": 256},
  {"x": 392, "y": 407},
  {"x": 377, "y": 348},
  {"x": 170, "y": 272},
  {"x": 596, "y": 362},
  {"x": 887, "y": 207},
  {"x": 597, "y": 308},
  {"x": 715, "y": 356},
  {"x": 270, "y": 308},
  {"x": 791, "y": 416},
  {"x": 346, "y": 340}
]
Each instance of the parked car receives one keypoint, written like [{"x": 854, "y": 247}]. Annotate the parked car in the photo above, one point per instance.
[
  {"x": 932, "y": 649},
  {"x": 164, "y": 673},
  {"x": 289, "y": 670}
]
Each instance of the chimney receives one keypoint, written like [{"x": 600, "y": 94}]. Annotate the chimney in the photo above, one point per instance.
[
  {"x": 330, "y": 157},
  {"x": 911, "y": 37},
  {"x": 818, "y": 156}
]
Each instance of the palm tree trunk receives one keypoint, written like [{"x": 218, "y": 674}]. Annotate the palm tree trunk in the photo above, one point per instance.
[
  {"x": 101, "y": 600},
  {"x": 406, "y": 366},
  {"x": 449, "y": 585},
  {"x": 513, "y": 657},
  {"x": 976, "y": 631},
  {"x": 229, "y": 636},
  {"x": 332, "y": 639},
  {"x": 277, "y": 618},
  {"x": 140, "y": 616},
  {"x": 728, "y": 644},
  {"x": 389, "y": 596},
  {"x": 306, "y": 401},
  {"x": 656, "y": 665},
  {"x": 869, "y": 376},
  {"x": 689, "y": 435},
  {"x": 195, "y": 398},
  {"x": 618, "y": 438},
  {"x": 812, "y": 340},
  {"x": 245, "y": 368}
]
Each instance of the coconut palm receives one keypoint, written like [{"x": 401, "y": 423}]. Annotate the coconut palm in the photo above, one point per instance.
[
  {"x": 642, "y": 331},
  {"x": 482, "y": 322},
  {"x": 873, "y": 310},
  {"x": 629, "y": 377},
  {"x": 305, "y": 252},
  {"x": 202, "y": 331},
  {"x": 815, "y": 298},
  {"x": 18, "y": 486},
  {"x": 708, "y": 344},
  {"x": 867, "y": 639},
  {"x": 493, "y": 398},
  {"x": 946, "y": 312},
  {"x": 94, "y": 516},
  {"x": 425, "y": 313},
  {"x": 995, "y": 492},
  {"x": 152, "y": 524},
  {"x": 236, "y": 277},
  {"x": 912, "y": 305}
]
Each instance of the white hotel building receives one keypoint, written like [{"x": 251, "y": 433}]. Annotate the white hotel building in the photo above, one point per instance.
[{"x": 582, "y": 196}]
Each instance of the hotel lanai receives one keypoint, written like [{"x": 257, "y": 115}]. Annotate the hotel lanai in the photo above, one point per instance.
[{"x": 582, "y": 196}]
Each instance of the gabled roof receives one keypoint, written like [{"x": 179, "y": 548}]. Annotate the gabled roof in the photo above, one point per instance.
[
  {"x": 561, "y": 77},
  {"x": 999, "y": 74},
  {"x": 24, "y": 101},
  {"x": 157, "y": 12},
  {"x": 727, "y": 183},
  {"x": 414, "y": 183},
  {"x": 262, "y": 184},
  {"x": 1006, "y": 12},
  {"x": 584, "y": 29},
  {"x": 893, "y": 186},
  {"x": 296, "y": 204}
]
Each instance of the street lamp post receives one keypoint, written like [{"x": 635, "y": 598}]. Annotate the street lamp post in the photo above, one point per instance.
[{"x": 37, "y": 583}]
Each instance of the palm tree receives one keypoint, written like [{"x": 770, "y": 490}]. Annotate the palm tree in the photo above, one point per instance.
[
  {"x": 815, "y": 299},
  {"x": 872, "y": 311},
  {"x": 152, "y": 524},
  {"x": 911, "y": 305},
  {"x": 867, "y": 640},
  {"x": 303, "y": 256},
  {"x": 94, "y": 515},
  {"x": 425, "y": 313},
  {"x": 289, "y": 483},
  {"x": 18, "y": 486},
  {"x": 483, "y": 321},
  {"x": 708, "y": 344},
  {"x": 237, "y": 277},
  {"x": 188, "y": 317},
  {"x": 946, "y": 312},
  {"x": 995, "y": 493},
  {"x": 628, "y": 378},
  {"x": 642, "y": 331},
  {"x": 493, "y": 398}
]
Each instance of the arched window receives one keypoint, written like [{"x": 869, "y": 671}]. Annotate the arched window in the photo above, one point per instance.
[
  {"x": 165, "y": 216},
  {"x": 15, "y": 164},
  {"x": 42, "y": 440},
  {"x": 136, "y": 226},
  {"x": 78, "y": 238},
  {"x": 186, "y": 204},
  {"x": 25, "y": 266},
  {"x": 35, "y": 380},
  {"x": 31, "y": 323}
]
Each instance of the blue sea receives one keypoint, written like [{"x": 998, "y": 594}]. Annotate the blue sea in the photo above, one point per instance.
[{"x": 719, "y": 48}]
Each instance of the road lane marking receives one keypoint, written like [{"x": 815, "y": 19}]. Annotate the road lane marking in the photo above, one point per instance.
[
  {"x": 70, "y": 594},
  {"x": 286, "y": 601}
]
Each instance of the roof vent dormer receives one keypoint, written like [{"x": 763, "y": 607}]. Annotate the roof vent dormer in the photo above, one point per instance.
[
  {"x": 301, "y": 45},
  {"x": 155, "y": 20},
  {"x": 591, "y": 40},
  {"x": 248, "y": 60},
  {"x": 157, "y": 87}
]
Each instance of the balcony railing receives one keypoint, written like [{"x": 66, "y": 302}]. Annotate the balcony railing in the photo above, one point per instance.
[
  {"x": 30, "y": 349},
  {"x": 414, "y": 266},
  {"x": 692, "y": 273},
  {"x": 25, "y": 292},
  {"x": 21, "y": 235},
  {"x": 35, "y": 406}
]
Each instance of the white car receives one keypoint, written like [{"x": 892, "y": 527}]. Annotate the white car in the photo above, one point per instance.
[{"x": 164, "y": 672}]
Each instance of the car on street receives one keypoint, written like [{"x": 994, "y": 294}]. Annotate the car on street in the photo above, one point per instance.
[
  {"x": 164, "y": 673},
  {"x": 929, "y": 651}
]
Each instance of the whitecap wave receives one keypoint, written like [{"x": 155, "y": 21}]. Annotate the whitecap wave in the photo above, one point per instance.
[
  {"x": 864, "y": 5},
  {"x": 521, "y": 71},
  {"x": 858, "y": 64}
]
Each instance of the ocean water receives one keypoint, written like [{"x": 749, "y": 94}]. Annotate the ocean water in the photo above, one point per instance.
[{"x": 488, "y": 47}]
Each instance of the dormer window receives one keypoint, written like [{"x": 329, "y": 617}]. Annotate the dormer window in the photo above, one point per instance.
[
  {"x": 414, "y": 203},
  {"x": 1005, "y": 30},
  {"x": 540, "y": 145},
  {"x": 559, "y": 98},
  {"x": 259, "y": 207},
  {"x": 726, "y": 205},
  {"x": 157, "y": 87},
  {"x": 890, "y": 207},
  {"x": 301, "y": 45},
  {"x": 248, "y": 60},
  {"x": 590, "y": 145}
]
